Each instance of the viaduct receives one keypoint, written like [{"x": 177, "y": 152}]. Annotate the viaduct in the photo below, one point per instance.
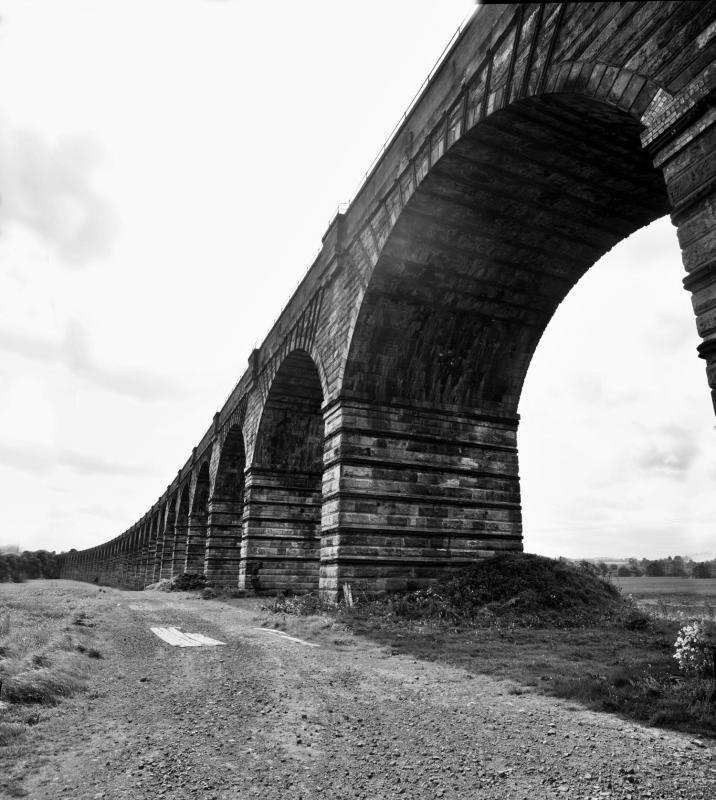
[{"x": 372, "y": 438}]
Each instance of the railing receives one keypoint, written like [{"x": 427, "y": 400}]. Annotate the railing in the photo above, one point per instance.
[{"x": 411, "y": 105}]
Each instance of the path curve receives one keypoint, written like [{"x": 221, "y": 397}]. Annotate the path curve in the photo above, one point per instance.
[{"x": 264, "y": 716}]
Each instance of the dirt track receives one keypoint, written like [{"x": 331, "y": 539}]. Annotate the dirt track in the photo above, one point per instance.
[{"x": 270, "y": 718}]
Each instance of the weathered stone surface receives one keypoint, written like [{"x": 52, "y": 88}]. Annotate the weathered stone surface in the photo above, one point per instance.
[{"x": 372, "y": 438}]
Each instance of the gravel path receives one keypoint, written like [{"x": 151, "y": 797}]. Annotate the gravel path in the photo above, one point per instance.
[{"x": 269, "y": 718}]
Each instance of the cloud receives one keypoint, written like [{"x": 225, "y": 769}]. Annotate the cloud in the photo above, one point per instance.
[
  {"x": 27, "y": 458},
  {"x": 670, "y": 450},
  {"x": 133, "y": 383},
  {"x": 47, "y": 188},
  {"x": 41, "y": 459},
  {"x": 74, "y": 353},
  {"x": 31, "y": 347},
  {"x": 102, "y": 512},
  {"x": 670, "y": 332},
  {"x": 92, "y": 465}
]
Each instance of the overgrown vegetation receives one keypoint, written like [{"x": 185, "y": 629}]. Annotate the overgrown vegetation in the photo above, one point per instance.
[
  {"x": 19, "y": 567},
  {"x": 45, "y": 645},
  {"x": 186, "y": 582},
  {"x": 549, "y": 626}
]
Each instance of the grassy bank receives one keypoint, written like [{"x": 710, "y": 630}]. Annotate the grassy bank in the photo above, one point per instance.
[
  {"x": 46, "y": 647},
  {"x": 547, "y": 626}
]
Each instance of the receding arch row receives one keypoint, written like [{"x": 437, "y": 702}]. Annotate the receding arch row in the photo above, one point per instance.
[
  {"x": 240, "y": 524},
  {"x": 538, "y": 146}
]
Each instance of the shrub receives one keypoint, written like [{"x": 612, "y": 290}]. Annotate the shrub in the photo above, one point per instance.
[
  {"x": 163, "y": 585},
  {"x": 188, "y": 581},
  {"x": 692, "y": 649},
  {"x": 301, "y": 605}
]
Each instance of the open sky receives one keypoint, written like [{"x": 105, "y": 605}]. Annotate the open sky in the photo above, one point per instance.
[{"x": 167, "y": 170}]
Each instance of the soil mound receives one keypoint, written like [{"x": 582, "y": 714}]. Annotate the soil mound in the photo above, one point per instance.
[
  {"x": 185, "y": 582},
  {"x": 517, "y": 588}
]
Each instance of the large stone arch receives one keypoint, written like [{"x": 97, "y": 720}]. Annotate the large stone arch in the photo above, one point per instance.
[
  {"x": 498, "y": 228},
  {"x": 488, "y": 245},
  {"x": 281, "y": 545},
  {"x": 225, "y": 511}
]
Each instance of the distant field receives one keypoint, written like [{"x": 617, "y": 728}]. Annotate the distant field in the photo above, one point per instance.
[
  {"x": 643, "y": 587},
  {"x": 673, "y": 598}
]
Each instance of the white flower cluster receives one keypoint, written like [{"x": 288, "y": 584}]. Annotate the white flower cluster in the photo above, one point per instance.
[{"x": 690, "y": 649}]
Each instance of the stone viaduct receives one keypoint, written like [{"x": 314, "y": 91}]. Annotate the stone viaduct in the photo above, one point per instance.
[{"x": 372, "y": 438}]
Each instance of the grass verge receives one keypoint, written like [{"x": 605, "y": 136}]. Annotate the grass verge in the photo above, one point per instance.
[{"x": 44, "y": 658}]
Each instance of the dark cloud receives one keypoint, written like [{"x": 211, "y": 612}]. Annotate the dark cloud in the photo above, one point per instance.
[
  {"x": 48, "y": 189},
  {"x": 41, "y": 459},
  {"x": 670, "y": 450},
  {"x": 74, "y": 353}
]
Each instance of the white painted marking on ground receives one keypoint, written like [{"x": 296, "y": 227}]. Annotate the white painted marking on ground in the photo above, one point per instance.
[
  {"x": 207, "y": 641},
  {"x": 176, "y": 638},
  {"x": 286, "y": 636}
]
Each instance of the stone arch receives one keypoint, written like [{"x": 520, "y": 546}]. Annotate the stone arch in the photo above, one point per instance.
[
  {"x": 500, "y": 227},
  {"x": 482, "y": 97},
  {"x": 198, "y": 519},
  {"x": 165, "y": 545},
  {"x": 130, "y": 556},
  {"x": 499, "y": 230},
  {"x": 281, "y": 548},
  {"x": 147, "y": 548},
  {"x": 226, "y": 506},
  {"x": 301, "y": 337},
  {"x": 181, "y": 524},
  {"x": 200, "y": 488},
  {"x": 153, "y": 554},
  {"x": 126, "y": 551},
  {"x": 142, "y": 551}
]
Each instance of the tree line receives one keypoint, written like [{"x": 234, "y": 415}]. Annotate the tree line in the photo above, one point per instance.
[
  {"x": 16, "y": 567},
  {"x": 670, "y": 567},
  {"x": 19, "y": 567}
]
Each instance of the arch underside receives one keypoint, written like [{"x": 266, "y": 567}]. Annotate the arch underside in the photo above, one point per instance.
[
  {"x": 492, "y": 241},
  {"x": 496, "y": 235},
  {"x": 181, "y": 524},
  {"x": 197, "y": 523},
  {"x": 225, "y": 515},
  {"x": 166, "y": 555},
  {"x": 282, "y": 532}
]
